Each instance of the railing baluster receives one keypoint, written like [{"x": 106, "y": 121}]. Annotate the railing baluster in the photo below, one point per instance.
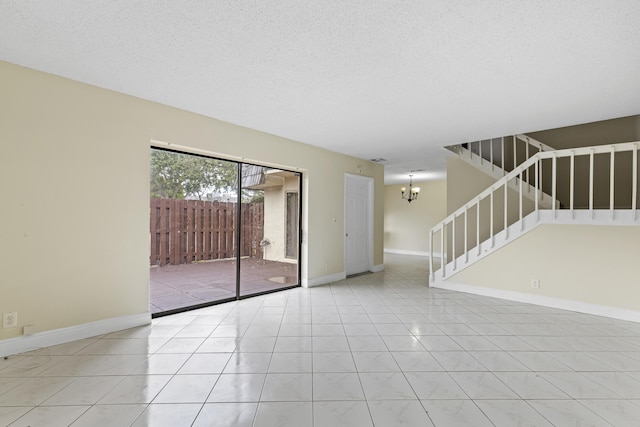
[
  {"x": 591, "y": 173},
  {"x": 504, "y": 168},
  {"x": 526, "y": 144},
  {"x": 553, "y": 184},
  {"x": 571, "y": 182},
  {"x": 478, "y": 225},
  {"x": 491, "y": 152},
  {"x": 612, "y": 181},
  {"x": 520, "y": 200},
  {"x": 634, "y": 185},
  {"x": 466, "y": 247},
  {"x": 506, "y": 209},
  {"x": 491, "y": 218},
  {"x": 431, "y": 255},
  {"x": 535, "y": 195},
  {"x": 453, "y": 242},
  {"x": 540, "y": 176},
  {"x": 515, "y": 150},
  {"x": 443, "y": 264}
]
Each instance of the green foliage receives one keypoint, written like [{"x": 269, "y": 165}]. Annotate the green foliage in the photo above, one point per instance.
[
  {"x": 252, "y": 196},
  {"x": 183, "y": 176}
]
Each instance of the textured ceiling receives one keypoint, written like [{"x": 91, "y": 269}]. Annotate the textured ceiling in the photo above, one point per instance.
[{"x": 369, "y": 78}]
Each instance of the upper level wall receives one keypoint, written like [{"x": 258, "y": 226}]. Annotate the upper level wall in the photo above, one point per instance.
[
  {"x": 623, "y": 129},
  {"x": 74, "y": 179}
]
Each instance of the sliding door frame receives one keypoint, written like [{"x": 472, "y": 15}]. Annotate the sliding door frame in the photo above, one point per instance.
[{"x": 238, "y": 239}]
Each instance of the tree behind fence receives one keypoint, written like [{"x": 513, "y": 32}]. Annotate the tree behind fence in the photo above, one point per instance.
[{"x": 186, "y": 231}]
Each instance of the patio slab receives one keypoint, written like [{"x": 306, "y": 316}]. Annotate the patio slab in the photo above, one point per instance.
[{"x": 179, "y": 286}]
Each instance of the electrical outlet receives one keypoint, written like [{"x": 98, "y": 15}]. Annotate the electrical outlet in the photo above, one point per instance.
[
  {"x": 535, "y": 284},
  {"x": 9, "y": 320}
]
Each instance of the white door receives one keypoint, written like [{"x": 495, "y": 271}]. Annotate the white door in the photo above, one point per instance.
[{"x": 358, "y": 224}]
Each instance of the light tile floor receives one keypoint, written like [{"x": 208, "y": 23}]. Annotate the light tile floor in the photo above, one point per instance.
[{"x": 376, "y": 350}]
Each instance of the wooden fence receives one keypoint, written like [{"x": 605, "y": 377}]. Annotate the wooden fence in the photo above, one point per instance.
[{"x": 185, "y": 231}]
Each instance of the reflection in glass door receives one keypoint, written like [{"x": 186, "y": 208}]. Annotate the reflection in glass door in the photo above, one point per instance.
[
  {"x": 210, "y": 245},
  {"x": 270, "y": 227}
]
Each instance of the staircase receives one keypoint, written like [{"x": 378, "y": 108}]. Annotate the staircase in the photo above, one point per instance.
[
  {"x": 588, "y": 185},
  {"x": 498, "y": 156}
]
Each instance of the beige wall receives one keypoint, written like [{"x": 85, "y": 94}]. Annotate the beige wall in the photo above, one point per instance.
[
  {"x": 74, "y": 177},
  {"x": 406, "y": 226},
  {"x": 464, "y": 182},
  {"x": 591, "y": 264}
]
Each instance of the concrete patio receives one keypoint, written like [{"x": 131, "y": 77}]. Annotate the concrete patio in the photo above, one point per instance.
[{"x": 179, "y": 286}]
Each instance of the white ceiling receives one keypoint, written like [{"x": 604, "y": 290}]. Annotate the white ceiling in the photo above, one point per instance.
[{"x": 369, "y": 78}]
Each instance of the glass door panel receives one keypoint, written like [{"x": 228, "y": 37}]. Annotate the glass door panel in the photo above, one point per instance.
[
  {"x": 194, "y": 210},
  {"x": 269, "y": 229}
]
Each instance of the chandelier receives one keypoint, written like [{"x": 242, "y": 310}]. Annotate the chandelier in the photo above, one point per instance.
[{"x": 412, "y": 194}]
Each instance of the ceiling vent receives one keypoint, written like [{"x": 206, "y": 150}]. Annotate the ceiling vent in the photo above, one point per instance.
[{"x": 377, "y": 160}]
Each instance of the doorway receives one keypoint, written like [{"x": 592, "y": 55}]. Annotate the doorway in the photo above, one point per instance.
[
  {"x": 358, "y": 224},
  {"x": 219, "y": 231}
]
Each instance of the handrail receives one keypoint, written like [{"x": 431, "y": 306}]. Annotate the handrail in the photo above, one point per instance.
[
  {"x": 522, "y": 137},
  {"x": 518, "y": 174},
  {"x": 496, "y": 156},
  {"x": 540, "y": 145}
]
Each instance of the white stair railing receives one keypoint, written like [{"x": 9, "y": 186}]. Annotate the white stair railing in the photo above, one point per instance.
[
  {"x": 499, "y": 214},
  {"x": 500, "y": 154}
]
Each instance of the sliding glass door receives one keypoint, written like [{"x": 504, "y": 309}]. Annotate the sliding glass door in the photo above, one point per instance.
[
  {"x": 220, "y": 230},
  {"x": 269, "y": 228}
]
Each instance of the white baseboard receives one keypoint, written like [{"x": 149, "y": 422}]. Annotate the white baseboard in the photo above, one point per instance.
[
  {"x": 310, "y": 283},
  {"x": 377, "y": 268},
  {"x": 564, "y": 304},
  {"x": 323, "y": 280},
  {"x": 404, "y": 252},
  {"x": 38, "y": 340},
  {"x": 415, "y": 253}
]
